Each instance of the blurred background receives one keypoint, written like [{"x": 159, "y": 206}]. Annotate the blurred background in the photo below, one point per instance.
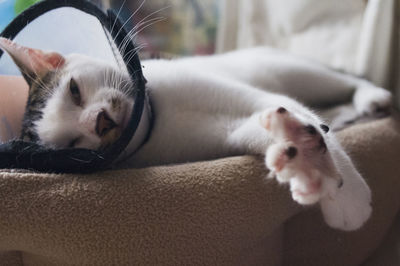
[
  {"x": 181, "y": 27},
  {"x": 356, "y": 36}
]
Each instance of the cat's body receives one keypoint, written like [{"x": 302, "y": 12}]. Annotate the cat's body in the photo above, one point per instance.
[
  {"x": 210, "y": 107},
  {"x": 203, "y": 101}
]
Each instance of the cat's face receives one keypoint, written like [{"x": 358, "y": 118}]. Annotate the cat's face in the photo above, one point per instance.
[
  {"x": 74, "y": 101},
  {"x": 88, "y": 106}
]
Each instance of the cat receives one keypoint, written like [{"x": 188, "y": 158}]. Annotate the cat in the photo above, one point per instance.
[{"x": 241, "y": 102}]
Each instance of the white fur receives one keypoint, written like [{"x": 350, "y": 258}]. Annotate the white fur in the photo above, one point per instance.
[
  {"x": 63, "y": 121},
  {"x": 210, "y": 107}
]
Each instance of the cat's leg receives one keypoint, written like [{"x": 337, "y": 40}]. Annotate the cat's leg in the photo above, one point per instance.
[
  {"x": 314, "y": 84},
  {"x": 296, "y": 156},
  {"x": 368, "y": 102},
  {"x": 305, "y": 80},
  {"x": 350, "y": 206},
  {"x": 305, "y": 155},
  {"x": 371, "y": 100},
  {"x": 317, "y": 169}
]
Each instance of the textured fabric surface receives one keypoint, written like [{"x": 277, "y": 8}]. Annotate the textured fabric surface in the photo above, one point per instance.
[
  {"x": 221, "y": 212},
  {"x": 388, "y": 253},
  {"x": 375, "y": 149}
]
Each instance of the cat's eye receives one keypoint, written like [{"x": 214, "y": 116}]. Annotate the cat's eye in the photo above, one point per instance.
[{"x": 75, "y": 92}]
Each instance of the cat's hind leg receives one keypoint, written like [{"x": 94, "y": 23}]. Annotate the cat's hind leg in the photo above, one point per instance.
[{"x": 371, "y": 100}]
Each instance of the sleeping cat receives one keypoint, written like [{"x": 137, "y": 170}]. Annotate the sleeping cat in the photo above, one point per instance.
[{"x": 210, "y": 107}]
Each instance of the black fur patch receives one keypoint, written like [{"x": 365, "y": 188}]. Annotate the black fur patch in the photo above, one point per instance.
[{"x": 39, "y": 92}]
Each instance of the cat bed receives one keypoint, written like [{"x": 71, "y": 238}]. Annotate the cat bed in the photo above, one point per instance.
[
  {"x": 221, "y": 212},
  {"x": 81, "y": 27}
]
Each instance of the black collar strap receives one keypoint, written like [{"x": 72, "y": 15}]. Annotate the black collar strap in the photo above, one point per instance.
[{"x": 28, "y": 155}]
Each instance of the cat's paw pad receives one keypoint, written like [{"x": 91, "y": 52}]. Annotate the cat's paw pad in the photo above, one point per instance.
[
  {"x": 375, "y": 102},
  {"x": 277, "y": 159},
  {"x": 286, "y": 166},
  {"x": 350, "y": 207},
  {"x": 306, "y": 189},
  {"x": 298, "y": 155}
]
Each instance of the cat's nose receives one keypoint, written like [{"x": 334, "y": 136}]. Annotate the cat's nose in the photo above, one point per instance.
[{"x": 104, "y": 123}]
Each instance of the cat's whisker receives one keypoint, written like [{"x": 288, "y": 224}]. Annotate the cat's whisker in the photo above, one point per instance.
[
  {"x": 134, "y": 52},
  {"x": 150, "y": 24},
  {"x": 131, "y": 35},
  {"x": 117, "y": 16},
  {"x": 33, "y": 79},
  {"x": 127, "y": 88},
  {"x": 141, "y": 22},
  {"x": 139, "y": 28},
  {"x": 57, "y": 68},
  {"x": 118, "y": 82},
  {"x": 115, "y": 81},
  {"x": 126, "y": 41},
  {"x": 110, "y": 78},
  {"x": 134, "y": 13},
  {"x": 134, "y": 72},
  {"x": 105, "y": 76},
  {"x": 145, "y": 25},
  {"x": 151, "y": 14},
  {"x": 38, "y": 82},
  {"x": 111, "y": 81},
  {"x": 134, "y": 49}
]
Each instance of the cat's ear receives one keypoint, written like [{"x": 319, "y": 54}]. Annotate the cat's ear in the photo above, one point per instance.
[{"x": 33, "y": 63}]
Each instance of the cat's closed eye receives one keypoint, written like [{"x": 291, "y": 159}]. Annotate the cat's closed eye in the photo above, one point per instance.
[{"x": 75, "y": 92}]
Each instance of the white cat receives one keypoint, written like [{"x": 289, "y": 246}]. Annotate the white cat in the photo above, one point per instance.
[{"x": 216, "y": 106}]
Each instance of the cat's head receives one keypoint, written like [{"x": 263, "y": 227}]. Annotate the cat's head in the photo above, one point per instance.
[{"x": 74, "y": 100}]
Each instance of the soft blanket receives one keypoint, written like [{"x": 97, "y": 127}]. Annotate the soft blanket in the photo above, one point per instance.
[{"x": 221, "y": 212}]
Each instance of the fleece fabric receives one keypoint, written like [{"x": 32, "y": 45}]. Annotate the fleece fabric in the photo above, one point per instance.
[{"x": 221, "y": 212}]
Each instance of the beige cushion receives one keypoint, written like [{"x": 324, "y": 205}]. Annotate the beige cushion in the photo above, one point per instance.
[{"x": 221, "y": 212}]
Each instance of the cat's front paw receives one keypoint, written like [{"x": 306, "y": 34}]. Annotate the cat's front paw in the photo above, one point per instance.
[
  {"x": 298, "y": 155},
  {"x": 373, "y": 101}
]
